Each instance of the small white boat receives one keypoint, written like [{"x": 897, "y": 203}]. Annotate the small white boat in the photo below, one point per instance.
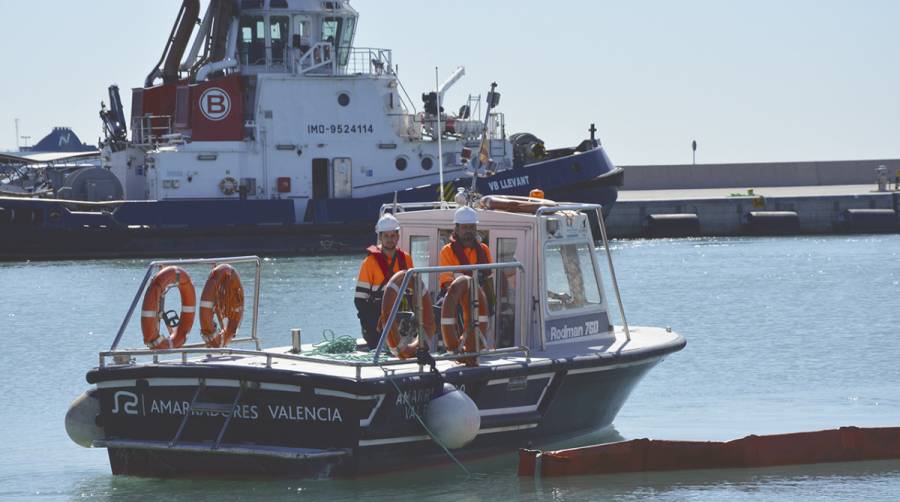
[{"x": 546, "y": 364}]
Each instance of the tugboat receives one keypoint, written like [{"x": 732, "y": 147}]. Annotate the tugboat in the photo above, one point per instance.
[
  {"x": 540, "y": 361},
  {"x": 272, "y": 133}
]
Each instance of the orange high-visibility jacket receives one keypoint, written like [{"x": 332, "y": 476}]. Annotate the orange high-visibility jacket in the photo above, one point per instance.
[
  {"x": 450, "y": 257},
  {"x": 375, "y": 271}
]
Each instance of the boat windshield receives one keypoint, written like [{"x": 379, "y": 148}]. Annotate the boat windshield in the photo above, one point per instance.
[{"x": 571, "y": 279}]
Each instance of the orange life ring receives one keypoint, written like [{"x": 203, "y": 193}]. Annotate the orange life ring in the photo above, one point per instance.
[
  {"x": 515, "y": 203},
  {"x": 151, "y": 309},
  {"x": 398, "y": 347},
  {"x": 457, "y": 294},
  {"x": 223, "y": 295}
]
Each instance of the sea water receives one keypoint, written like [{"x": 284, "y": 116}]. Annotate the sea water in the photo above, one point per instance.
[{"x": 784, "y": 334}]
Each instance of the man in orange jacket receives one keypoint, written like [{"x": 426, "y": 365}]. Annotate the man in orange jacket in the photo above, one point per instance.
[
  {"x": 382, "y": 262},
  {"x": 464, "y": 248}
]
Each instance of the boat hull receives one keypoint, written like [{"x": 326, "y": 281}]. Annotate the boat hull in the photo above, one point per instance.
[
  {"x": 312, "y": 426},
  {"x": 57, "y": 229}
]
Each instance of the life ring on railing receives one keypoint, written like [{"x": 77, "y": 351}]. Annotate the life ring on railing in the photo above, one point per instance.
[
  {"x": 457, "y": 294},
  {"x": 515, "y": 203},
  {"x": 222, "y": 298},
  {"x": 151, "y": 310},
  {"x": 399, "y": 347}
]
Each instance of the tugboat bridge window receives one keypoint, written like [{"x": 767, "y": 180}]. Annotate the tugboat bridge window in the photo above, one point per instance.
[
  {"x": 278, "y": 33},
  {"x": 570, "y": 277},
  {"x": 339, "y": 32},
  {"x": 252, "y": 43}
]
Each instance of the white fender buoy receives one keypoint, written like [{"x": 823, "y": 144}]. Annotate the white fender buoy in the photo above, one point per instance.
[
  {"x": 81, "y": 419},
  {"x": 453, "y": 417}
]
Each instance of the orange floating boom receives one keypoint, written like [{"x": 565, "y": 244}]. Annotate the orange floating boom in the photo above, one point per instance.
[{"x": 846, "y": 444}]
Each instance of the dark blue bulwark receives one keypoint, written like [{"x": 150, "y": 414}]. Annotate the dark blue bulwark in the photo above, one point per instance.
[
  {"x": 206, "y": 214},
  {"x": 369, "y": 420}
]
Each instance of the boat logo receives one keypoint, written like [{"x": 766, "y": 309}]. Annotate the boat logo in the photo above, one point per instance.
[
  {"x": 128, "y": 403},
  {"x": 215, "y": 104}
]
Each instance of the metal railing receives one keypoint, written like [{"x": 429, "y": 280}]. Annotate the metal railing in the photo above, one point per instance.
[
  {"x": 324, "y": 56},
  {"x": 413, "y": 275},
  {"x": 120, "y": 355},
  {"x": 598, "y": 209},
  {"x": 150, "y": 130},
  {"x": 164, "y": 263},
  {"x": 124, "y": 356}
]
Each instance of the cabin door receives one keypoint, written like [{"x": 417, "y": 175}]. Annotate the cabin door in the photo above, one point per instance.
[
  {"x": 320, "y": 178},
  {"x": 510, "y": 286},
  {"x": 342, "y": 181}
]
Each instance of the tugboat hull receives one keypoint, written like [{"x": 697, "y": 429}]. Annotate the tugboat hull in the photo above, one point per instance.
[{"x": 56, "y": 229}]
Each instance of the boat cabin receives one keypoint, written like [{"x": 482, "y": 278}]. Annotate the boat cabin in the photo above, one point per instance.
[{"x": 558, "y": 286}]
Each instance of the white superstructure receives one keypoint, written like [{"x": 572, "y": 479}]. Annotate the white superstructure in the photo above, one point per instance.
[{"x": 273, "y": 101}]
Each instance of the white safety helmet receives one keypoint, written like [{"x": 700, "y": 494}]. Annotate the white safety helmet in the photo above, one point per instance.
[
  {"x": 387, "y": 223},
  {"x": 465, "y": 216}
]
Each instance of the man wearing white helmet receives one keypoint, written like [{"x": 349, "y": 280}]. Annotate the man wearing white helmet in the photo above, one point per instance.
[
  {"x": 464, "y": 247},
  {"x": 382, "y": 262}
]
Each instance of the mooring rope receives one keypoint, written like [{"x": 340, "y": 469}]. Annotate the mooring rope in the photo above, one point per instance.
[{"x": 412, "y": 409}]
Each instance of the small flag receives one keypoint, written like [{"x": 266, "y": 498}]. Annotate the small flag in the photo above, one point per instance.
[{"x": 484, "y": 153}]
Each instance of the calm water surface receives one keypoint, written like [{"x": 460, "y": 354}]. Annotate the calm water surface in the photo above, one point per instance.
[{"x": 787, "y": 334}]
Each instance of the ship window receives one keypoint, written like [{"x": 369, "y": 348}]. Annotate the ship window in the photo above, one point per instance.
[
  {"x": 343, "y": 99},
  {"x": 331, "y": 29},
  {"x": 506, "y": 293},
  {"x": 346, "y": 41},
  {"x": 278, "y": 26},
  {"x": 420, "y": 248},
  {"x": 252, "y": 43},
  {"x": 427, "y": 163},
  {"x": 400, "y": 163},
  {"x": 571, "y": 282}
]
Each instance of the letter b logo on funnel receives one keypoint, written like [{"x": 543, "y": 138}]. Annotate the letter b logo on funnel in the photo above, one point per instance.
[{"x": 215, "y": 103}]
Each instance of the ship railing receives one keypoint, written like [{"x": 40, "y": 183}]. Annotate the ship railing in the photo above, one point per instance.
[
  {"x": 413, "y": 280},
  {"x": 126, "y": 357},
  {"x": 159, "y": 264},
  {"x": 182, "y": 355},
  {"x": 366, "y": 61},
  {"x": 324, "y": 59},
  {"x": 151, "y": 130},
  {"x": 596, "y": 209},
  {"x": 406, "y": 125}
]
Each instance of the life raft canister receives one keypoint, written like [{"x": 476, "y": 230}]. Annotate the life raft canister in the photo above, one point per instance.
[
  {"x": 457, "y": 294},
  {"x": 399, "y": 347},
  {"x": 222, "y": 298},
  {"x": 151, "y": 311}
]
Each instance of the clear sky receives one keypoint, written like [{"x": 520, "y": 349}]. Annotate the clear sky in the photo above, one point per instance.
[{"x": 751, "y": 81}]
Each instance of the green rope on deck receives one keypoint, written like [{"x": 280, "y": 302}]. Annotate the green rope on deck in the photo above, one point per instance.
[{"x": 342, "y": 348}]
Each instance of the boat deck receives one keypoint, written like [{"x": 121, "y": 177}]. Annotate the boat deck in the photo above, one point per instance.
[{"x": 642, "y": 340}]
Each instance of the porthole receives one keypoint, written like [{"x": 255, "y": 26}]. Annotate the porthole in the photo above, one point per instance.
[
  {"x": 400, "y": 163},
  {"x": 343, "y": 99},
  {"x": 427, "y": 163}
]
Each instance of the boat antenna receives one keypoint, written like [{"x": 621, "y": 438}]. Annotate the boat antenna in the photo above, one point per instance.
[
  {"x": 437, "y": 127},
  {"x": 484, "y": 152},
  {"x": 17, "y": 135},
  {"x": 394, "y": 209}
]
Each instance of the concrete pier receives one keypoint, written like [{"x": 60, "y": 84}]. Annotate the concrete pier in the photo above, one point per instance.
[{"x": 756, "y": 199}]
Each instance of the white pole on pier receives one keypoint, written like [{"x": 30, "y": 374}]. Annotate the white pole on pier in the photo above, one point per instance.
[{"x": 17, "y": 134}]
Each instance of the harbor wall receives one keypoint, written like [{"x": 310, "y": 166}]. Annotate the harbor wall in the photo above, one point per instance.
[
  {"x": 726, "y": 216},
  {"x": 751, "y": 175}
]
